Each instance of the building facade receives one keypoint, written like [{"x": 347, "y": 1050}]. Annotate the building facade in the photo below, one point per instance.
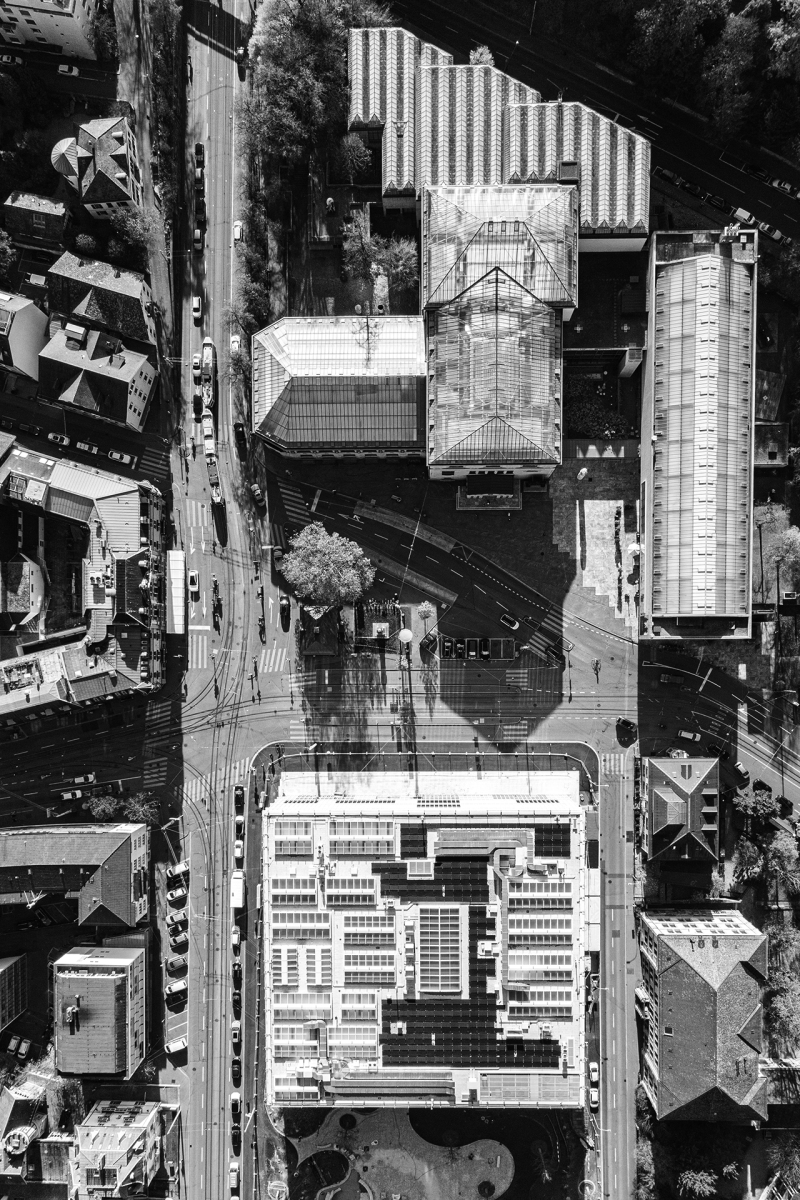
[
  {"x": 101, "y": 162},
  {"x": 703, "y": 974},
  {"x": 117, "y": 1150},
  {"x": 425, "y": 945},
  {"x": 23, "y": 334},
  {"x": 64, "y": 25},
  {"x": 38, "y": 222},
  {"x": 95, "y": 293},
  {"x": 97, "y": 373},
  {"x": 698, "y": 424},
  {"x": 100, "y": 1021},
  {"x": 13, "y": 988}
]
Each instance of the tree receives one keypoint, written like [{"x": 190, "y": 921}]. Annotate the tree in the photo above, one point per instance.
[
  {"x": 644, "y": 1112},
  {"x": 729, "y": 65},
  {"x": 104, "y": 35},
  {"x": 86, "y": 245},
  {"x": 757, "y": 802},
  {"x": 784, "y": 553},
  {"x": 697, "y": 1183},
  {"x": 367, "y": 254},
  {"x": 670, "y": 41},
  {"x": 782, "y": 1011},
  {"x": 143, "y": 806},
  {"x": 8, "y": 255},
  {"x": 352, "y": 158},
  {"x": 748, "y": 862},
  {"x": 781, "y": 861},
  {"x": 116, "y": 250},
  {"x": 425, "y": 612},
  {"x": 481, "y": 56},
  {"x": 139, "y": 227},
  {"x": 645, "y": 1170},
  {"x": 326, "y": 569},
  {"x": 104, "y": 807},
  {"x": 783, "y": 1156}
]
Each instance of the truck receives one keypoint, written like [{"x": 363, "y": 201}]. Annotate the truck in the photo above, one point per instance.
[
  {"x": 237, "y": 890},
  {"x": 208, "y": 373},
  {"x": 213, "y": 481}
]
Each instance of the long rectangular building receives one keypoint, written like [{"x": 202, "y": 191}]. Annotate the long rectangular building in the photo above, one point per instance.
[
  {"x": 697, "y": 436},
  {"x": 425, "y": 940}
]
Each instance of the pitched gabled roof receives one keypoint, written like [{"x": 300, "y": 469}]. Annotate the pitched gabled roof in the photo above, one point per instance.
[
  {"x": 683, "y": 808},
  {"x": 102, "y": 294}
]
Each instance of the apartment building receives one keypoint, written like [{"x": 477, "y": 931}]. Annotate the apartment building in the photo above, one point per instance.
[
  {"x": 63, "y": 25},
  {"x": 99, "y": 997}
]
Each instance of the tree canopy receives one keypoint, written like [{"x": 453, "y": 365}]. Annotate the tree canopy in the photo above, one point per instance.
[
  {"x": 367, "y": 254},
  {"x": 8, "y": 255},
  {"x": 325, "y": 568},
  {"x": 784, "y": 552},
  {"x": 783, "y": 1156},
  {"x": 757, "y": 802}
]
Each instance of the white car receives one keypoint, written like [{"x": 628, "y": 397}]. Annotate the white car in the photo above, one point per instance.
[
  {"x": 233, "y": 1175},
  {"x": 178, "y": 988},
  {"x": 87, "y": 447},
  {"x": 195, "y": 368},
  {"x": 197, "y": 309},
  {"x": 194, "y": 585},
  {"x": 237, "y": 231},
  {"x": 71, "y": 795},
  {"x": 238, "y": 850},
  {"x": 178, "y": 893},
  {"x": 594, "y": 1072},
  {"x": 236, "y": 937},
  {"x": 60, "y": 439},
  {"x": 236, "y": 1036},
  {"x": 770, "y": 231},
  {"x": 90, "y": 778},
  {"x": 236, "y": 1104},
  {"x": 181, "y": 868},
  {"x": 688, "y": 736},
  {"x": 10, "y": 60},
  {"x": 236, "y": 343},
  {"x": 178, "y": 920},
  {"x": 594, "y": 1098},
  {"x": 66, "y": 69},
  {"x": 176, "y": 1045},
  {"x": 178, "y": 938},
  {"x": 127, "y": 460}
]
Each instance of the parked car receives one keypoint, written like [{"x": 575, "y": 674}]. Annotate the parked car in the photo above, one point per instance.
[
  {"x": 692, "y": 188},
  {"x": 783, "y": 185},
  {"x": 127, "y": 460},
  {"x": 236, "y": 1138},
  {"x": 677, "y": 753},
  {"x": 90, "y": 778},
  {"x": 594, "y": 1072},
  {"x": 236, "y": 937},
  {"x": 627, "y": 724},
  {"x": 13, "y": 1045},
  {"x": 277, "y": 556},
  {"x": 509, "y": 620},
  {"x": 87, "y": 447},
  {"x": 447, "y": 647},
  {"x": 197, "y": 240},
  {"x": 178, "y": 920},
  {"x": 743, "y": 216},
  {"x": 180, "y": 868},
  {"x": 199, "y": 154},
  {"x": 671, "y": 176},
  {"x": 237, "y": 231},
  {"x": 194, "y": 585},
  {"x": 178, "y": 938},
  {"x": 195, "y": 368},
  {"x": 770, "y": 231},
  {"x": 461, "y": 647},
  {"x": 688, "y": 735},
  {"x": 238, "y": 850},
  {"x": 236, "y": 1071},
  {"x": 176, "y": 963},
  {"x": 71, "y": 795},
  {"x": 238, "y": 798},
  {"x": 236, "y": 343},
  {"x": 240, "y": 435},
  {"x": 238, "y": 826},
  {"x": 179, "y": 988},
  {"x": 236, "y": 1036},
  {"x": 236, "y": 1105},
  {"x": 10, "y": 60},
  {"x": 594, "y": 1098},
  {"x": 33, "y": 430},
  {"x": 742, "y": 772},
  {"x": 178, "y": 893},
  {"x": 24, "y": 1049},
  {"x": 6, "y": 423},
  {"x": 60, "y": 439},
  {"x": 256, "y": 493},
  {"x": 286, "y": 613},
  {"x": 66, "y": 69},
  {"x": 199, "y": 179},
  {"x": 197, "y": 309},
  {"x": 717, "y": 202},
  {"x": 176, "y": 1045},
  {"x": 472, "y": 648},
  {"x": 556, "y": 655},
  {"x": 756, "y": 172},
  {"x": 233, "y": 1176},
  {"x": 200, "y": 214},
  {"x": 236, "y": 973},
  {"x": 667, "y": 678},
  {"x": 236, "y": 1000},
  {"x": 715, "y": 748},
  {"x": 485, "y": 650}
]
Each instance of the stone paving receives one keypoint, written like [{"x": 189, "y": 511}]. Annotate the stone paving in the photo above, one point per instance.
[{"x": 390, "y": 1161}]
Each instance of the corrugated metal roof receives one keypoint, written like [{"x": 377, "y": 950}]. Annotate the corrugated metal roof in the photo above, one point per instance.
[{"x": 702, "y": 398}]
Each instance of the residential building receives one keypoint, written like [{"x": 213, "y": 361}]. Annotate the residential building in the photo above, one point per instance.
[
  {"x": 681, "y": 815},
  {"x": 36, "y": 222},
  {"x": 118, "y": 586},
  {"x": 94, "y": 371},
  {"x": 703, "y": 974},
  {"x": 23, "y": 1125},
  {"x": 442, "y": 124},
  {"x": 101, "y": 162},
  {"x": 425, "y": 939},
  {"x": 23, "y": 334},
  {"x": 22, "y": 592},
  {"x": 105, "y": 867},
  {"x": 340, "y": 386},
  {"x": 499, "y": 272},
  {"x": 117, "y": 1149},
  {"x": 697, "y": 436},
  {"x": 13, "y": 988},
  {"x": 62, "y": 25},
  {"x": 114, "y": 299},
  {"x": 99, "y": 999}
]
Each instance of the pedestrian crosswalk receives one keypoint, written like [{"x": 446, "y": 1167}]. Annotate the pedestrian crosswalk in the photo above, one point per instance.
[
  {"x": 155, "y": 462},
  {"x": 273, "y": 658},
  {"x": 154, "y": 773},
  {"x": 513, "y": 731},
  {"x": 198, "y": 651},
  {"x": 518, "y": 677},
  {"x": 197, "y": 514},
  {"x": 297, "y": 731},
  {"x": 202, "y": 788},
  {"x": 294, "y": 503},
  {"x": 611, "y": 764}
]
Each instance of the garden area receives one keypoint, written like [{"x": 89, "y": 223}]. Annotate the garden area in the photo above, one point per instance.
[{"x": 591, "y": 408}]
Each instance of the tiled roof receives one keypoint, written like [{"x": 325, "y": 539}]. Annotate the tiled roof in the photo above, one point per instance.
[
  {"x": 100, "y": 157},
  {"x": 102, "y": 294},
  {"x": 683, "y": 804}
]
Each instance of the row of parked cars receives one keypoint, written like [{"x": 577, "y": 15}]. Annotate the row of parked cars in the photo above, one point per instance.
[
  {"x": 177, "y": 929},
  {"x": 733, "y": 211},
  {"x": 61, "y": 439}
]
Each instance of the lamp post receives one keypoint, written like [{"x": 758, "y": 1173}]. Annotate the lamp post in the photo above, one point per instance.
[
  {"x": 214, "y": 665},
  {"x": 405, "y": 637}
]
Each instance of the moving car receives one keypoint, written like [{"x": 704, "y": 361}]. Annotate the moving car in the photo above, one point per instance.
[
  {"x": 509, "y": 621},
  {"x": 241, "y": 436},
  {"x": 197, "y": 309},
  {"x": 256, "y": 493},
  {"x": 677, "y": 753},
  {"x": 688, "y": 735},
  {"x": 127, "y": 460},
  {"x": 236, "y": 343},
  {"x": 66, "y": 69},
  {"x": 236, "y": 937},
  {"x": 197, "y": 406},
  {"x": 715, "y": 748},
  {"x": 286, "y": 613},
  {"x": 667, "y": 678},
  {"x": 176, "y": 1045},
  {"x": 277, "y": 555},
  {"x": 71, "y": 795},
  {"x": 180, "y": 868},
  {"x": 238, "y": 850},
  {"x": 176, "y": 963},
  {"x": 237, "y": 231},
  {"x": 87, "y": 447},
  {"x": 178, "y": 893},
  {"x": 10, "y": 60},
  {"x": 236, "y": 1071},
  {"x": 60, "y": 439},
  {"x": 195, "y": 368},
  {"x": 625, "y": 723},
  {"x": 179, "y": 988},
  {"x": 90, "y": 778},
  {"x": 236, "y": 1104},
  {"x": 199, "y": 154},
  {"x": 194, "y": 585},
  {"x": 236, "y": 1036},
  {"x": 233, "y": 1176},
  {"x": 742, "y": 772}
]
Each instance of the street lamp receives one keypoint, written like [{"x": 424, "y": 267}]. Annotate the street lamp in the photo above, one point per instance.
[
  {"x": 214, "y": 664},
  {"x": 406, "y": 637}
]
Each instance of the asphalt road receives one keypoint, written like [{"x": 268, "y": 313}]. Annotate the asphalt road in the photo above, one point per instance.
[{"x": 681, "y": 140}]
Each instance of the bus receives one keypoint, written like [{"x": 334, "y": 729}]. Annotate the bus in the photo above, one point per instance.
[{"x": 176, "y": 591}]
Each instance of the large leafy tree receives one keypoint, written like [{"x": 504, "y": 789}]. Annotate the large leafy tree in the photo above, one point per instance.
[
  {"x": 326, "y": 569},
  {"x": 758, "y": 802},
  {"x": 783, "y": 1156},
  {"x": 697, "y": 1183},
  {"x": 368, "y": 254},
  {"x": 8, "y": 255}
]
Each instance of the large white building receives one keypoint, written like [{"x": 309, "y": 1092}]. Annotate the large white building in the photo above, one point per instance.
[
  {"x": 425, "y": 940},
  {"x": 66, "y": 25},
  {"x": 100, "y": 999},
  {"x": 117, "y": 1149}
]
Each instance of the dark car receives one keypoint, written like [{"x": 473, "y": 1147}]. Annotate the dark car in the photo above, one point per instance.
[
  {"x": 718, "y": 202},
  {"x": 692, "y": 188},
  {"x": 199, "y": 154},
  {"x": 757, "y": 172},
  {"x": 236, "y": 1000},
  {"x": 236, "y": 973},
  {"x": 626, "y": 724},
  {"x": 236, "y": 1138},
  {"x": 485, "y": 650},
  {"x": 240, "y": 434},
  {"x": 720, "y": 751},
  {"x": 556, "y": 654},
  {"x": 447, "y": 647},
  {"x": 238, "y": 798},
  {"x": 472, "y": 647},
  {"x": 461, "y": 647},
  {"x": 197, "y": 406},
  {"x": 33, "y": 429},
  {"x": 286, "y": 613},
  {"x": 200, "y": 214},
  {"x": 236, "y": 1071}
]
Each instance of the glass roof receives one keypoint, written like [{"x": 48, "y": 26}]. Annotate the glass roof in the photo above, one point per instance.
[{"x": 702, "y": 380}]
